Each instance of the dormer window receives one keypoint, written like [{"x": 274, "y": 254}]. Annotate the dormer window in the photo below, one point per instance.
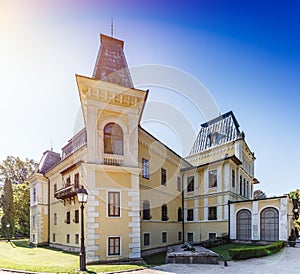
[
  {"x": 215, "y": 138},
  {"x": 113, "y": 139}
]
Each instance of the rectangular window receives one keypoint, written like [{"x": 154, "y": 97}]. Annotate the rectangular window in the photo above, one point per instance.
[
  {"x": 68, "y": 238},
  {"x": 146, "y": 210},
  {"x": 163, "y": 177},
  {"x": 55, "y": 219},
  {"x": 179, "y": 235},
  {"x": 241, "y": 185},
  {"x": 179, "y": 214},
  {"x": 53, "y": 237},
  {"x": 76, "y": 219},
  {"x": 190, "y": 215},
  {"x": 76, "y": 180},
  {"x": 233, "y": 178},
  {"x": 76, "y": 239},
  {"x": 114, "y": 245},
  {"x": 212, "y": 236},
  {"x": 190, "y": 236},
  {"x": 164, "y": 237},
  {"x": 190, "y": 184},
  {"x": 68, "y": 217},
  {"x": 212, "y": 178},
  {"x": 146, "y": 239},
  {"x": 33, "y": 221},
  {"x": 68, "y": 181},
  {"x": 145, "y": 168},
  {"x": 212, "y": 213},
  {"x": 247, "y": 194},
  {"x": 164, "y": 213},
  {"x": 178, "y": 184},
  {"x": 114, "y": 204}
]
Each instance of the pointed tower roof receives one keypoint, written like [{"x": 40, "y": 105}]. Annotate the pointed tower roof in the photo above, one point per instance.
[
  {"x": 49, "y": 160},
  {"x": 111, "y": 65},
  {"x": 220, "y": 130}
]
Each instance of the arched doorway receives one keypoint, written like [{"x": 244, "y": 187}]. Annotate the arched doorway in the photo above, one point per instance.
[
  {"x": 269, "y": 224},
  {"x": 243, "y": 225}
]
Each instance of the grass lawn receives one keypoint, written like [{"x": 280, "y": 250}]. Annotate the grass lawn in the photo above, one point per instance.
[
  {"x": 18, "y": 255},
  {"x": 223, "y": 249}
]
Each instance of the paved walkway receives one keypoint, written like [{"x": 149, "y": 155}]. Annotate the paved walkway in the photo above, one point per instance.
[{"x": 285, "y": 261}]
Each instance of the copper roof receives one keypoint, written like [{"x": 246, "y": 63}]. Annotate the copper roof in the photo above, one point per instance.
[{"x": 111, "y": 65}]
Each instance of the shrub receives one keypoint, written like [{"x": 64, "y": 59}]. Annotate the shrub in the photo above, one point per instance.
[{"x": 255, "y": 251}]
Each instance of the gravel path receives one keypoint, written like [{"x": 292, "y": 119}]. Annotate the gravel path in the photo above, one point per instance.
[{"x": 285, "y": 261}]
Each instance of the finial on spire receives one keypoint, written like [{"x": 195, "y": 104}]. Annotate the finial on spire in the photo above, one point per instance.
[{"x": 112, "y": 28}]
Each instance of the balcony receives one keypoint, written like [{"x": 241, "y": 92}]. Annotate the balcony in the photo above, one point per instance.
[
  {"x": 66, "y": 192},
  {"x": 113, "y": 159}
]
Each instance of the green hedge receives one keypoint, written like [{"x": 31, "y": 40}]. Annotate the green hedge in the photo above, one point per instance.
[{"x": 255, "y": 251}]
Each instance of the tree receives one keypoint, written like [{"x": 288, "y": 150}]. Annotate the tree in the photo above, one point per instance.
[
  {"x": 259, "y": 194},
  {"x": 7, "y": 203},
  {"x": 17, "y": 172},
  {"x": 22, "y": 208}
]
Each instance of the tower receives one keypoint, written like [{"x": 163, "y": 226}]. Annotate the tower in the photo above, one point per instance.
[{"x": 112, "y": 109}]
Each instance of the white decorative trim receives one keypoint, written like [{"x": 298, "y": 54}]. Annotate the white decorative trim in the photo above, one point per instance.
[
  {"x": 283, "y": 220},
  {"x": 205, "y": 181},
  {"x": 219, "y": 178},
  {"x": 226, "y": 199},
  {"x": 205, "y": 203},
  {"x": 255, "y": 221},
  {"x": 219, "y": 208},
  {"x": 232, "y": 222},
  {"x": 227, "y": 177}
]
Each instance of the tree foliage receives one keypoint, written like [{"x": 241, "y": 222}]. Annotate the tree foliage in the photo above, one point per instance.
[
  {"x": 259, "y": 194},
  {"x": 8, "y": 208},
  {"x": 15, "y": 172}
]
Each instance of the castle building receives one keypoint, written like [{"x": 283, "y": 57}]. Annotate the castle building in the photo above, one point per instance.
[{"x": 142, "y": 195}]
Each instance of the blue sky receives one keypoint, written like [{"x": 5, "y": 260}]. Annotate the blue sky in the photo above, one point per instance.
[{"x": 246, "y": 53}]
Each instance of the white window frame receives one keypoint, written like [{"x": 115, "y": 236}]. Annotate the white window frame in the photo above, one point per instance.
[
  {"x": 113, "y": 190},
  {"x": 107, "y": 245}
]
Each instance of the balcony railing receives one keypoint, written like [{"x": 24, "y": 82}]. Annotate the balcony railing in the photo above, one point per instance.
[
  {"x": 66, "y": 192},
  {"x": 113, "y": 159}
]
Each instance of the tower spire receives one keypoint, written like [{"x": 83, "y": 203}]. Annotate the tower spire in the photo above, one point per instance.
[
  {"x": 112, "y": 28},
  {"x": 111, "y": 65}
]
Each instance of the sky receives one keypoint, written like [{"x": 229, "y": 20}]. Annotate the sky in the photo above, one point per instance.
[{"x": 246, "y": 54}]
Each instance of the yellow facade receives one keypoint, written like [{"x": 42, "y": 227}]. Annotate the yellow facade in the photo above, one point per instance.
[{"x": 142, "y": 195}]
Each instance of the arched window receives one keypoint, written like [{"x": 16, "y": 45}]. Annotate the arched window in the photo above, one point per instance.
[
  {"x": 243, "y": 225},
  {"x": 146, "y": 210},
  {"x": 113, "y": 139},
  {"x": 269, "y": 224}
]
